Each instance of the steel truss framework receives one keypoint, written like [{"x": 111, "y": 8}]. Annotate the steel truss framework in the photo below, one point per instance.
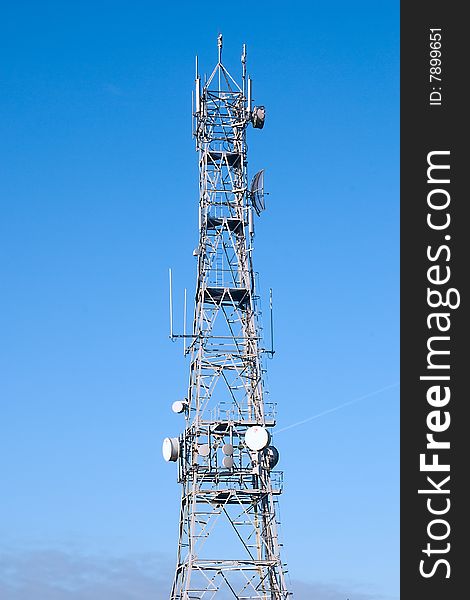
[{"x": 228, "y": 532}]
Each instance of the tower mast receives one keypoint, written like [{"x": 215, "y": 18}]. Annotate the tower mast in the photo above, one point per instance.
[{"x": 228, "y": 531}]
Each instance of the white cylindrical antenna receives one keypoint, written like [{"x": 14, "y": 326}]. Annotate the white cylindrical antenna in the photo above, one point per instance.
[
  {"x": 249, "y": 95},
  {"x": 184, "y": 323},
  {"x": 171, "y": 304},
  {"x": 193, "y": 129},
  {"x": 243, "y": 59},
  {"x": 198, "y": 88},
  {"x": 198, "y": 95},
  {"x": 251, "y": 228}
]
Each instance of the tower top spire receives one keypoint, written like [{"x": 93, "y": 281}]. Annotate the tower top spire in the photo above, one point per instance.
[{"x": 219, "y": 46}]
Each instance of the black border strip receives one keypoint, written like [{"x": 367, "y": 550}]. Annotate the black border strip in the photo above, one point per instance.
[{"x": 430, "y": 253}]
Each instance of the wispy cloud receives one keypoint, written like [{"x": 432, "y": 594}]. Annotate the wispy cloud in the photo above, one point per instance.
[
  {"x": 339, "y": 406},
  {"x": 330, "y": 591},
  {"x": 68, "y": 575},
  {"x": 59, "y": 575}
]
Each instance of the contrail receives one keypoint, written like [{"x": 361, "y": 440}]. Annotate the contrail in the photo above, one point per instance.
[{"x": 335, "y": 408}]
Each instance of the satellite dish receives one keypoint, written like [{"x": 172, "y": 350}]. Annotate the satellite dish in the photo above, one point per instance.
[
  {"x": 257, "y": 192},
  {"x": 257, "y": 438},
  {"x": 171, "y": 449},
  {"x": 227, "y": 449},
  {"x": 228, "y": 462},
  {"x": 203, "y": 449},
  {"x": 258, "y": 117},
  {"x": 272, "y": 454},
  {"x": 178, "y": 406}
]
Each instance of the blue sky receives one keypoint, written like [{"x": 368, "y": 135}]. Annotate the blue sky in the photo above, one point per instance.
[{"x": 98, "y": 194}]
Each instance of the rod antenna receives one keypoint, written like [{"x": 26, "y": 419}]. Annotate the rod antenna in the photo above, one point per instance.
[
  {"x": 171, "y": 304},
  {"x": 243, "y": 67},
  {"x": 184, "y": 322},
  {"x": 271, "y": 320}
]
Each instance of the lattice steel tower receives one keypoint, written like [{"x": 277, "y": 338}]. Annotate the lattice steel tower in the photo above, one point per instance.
[{"x": 228, "y": 532}]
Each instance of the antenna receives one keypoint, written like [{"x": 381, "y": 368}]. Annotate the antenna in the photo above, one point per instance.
[
  {"x": 219, "y": 46},
  {"x": 243, "y": 59},
  {"x": 257, "y": 192},
  {"x": 184, "y": 323},
  {"x": 197, "y": 92},
  {"x": 271, "y": 352},
  {"x": 248, "y": 102},
  {"x": 171, "y": 305}
]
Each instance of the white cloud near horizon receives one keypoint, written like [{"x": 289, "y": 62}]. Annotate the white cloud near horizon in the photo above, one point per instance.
[
  {"x": 61, "y": 575},
  {"x": 48, "y": 574}
]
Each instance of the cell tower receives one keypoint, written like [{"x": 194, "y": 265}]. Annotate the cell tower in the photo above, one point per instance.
[{"x": 228, "y": 530}]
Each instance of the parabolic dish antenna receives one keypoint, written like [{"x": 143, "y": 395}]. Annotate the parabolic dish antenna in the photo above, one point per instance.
[
  {"x": 203, "y": 449},
  {"x": 228, "y": 462},
  {"x": 272, "y": 454},
  {"x": 178, "y": 406},
  {"x": 257, "y": 437},
  {"x": 257, "y": 192},
  {"x": 227, "y": 449},
  {"x": 171, "y": 449}
]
